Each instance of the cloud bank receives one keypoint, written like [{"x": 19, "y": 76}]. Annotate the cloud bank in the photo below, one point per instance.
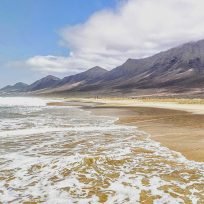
[{"x": 134, "y": 29}]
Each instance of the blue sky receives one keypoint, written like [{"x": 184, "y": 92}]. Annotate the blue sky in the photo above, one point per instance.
[
  {"x": 30, "y": 27},
  {"x": 64, "y": 37}
]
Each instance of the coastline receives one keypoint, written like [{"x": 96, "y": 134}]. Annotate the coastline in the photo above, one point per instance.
[{"x": 179, "y": 127}]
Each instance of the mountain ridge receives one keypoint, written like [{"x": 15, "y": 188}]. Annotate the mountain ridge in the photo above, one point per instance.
[{"x": 179, "y": 69}]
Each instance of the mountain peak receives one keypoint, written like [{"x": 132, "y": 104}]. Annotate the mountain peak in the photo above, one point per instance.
[
  {"x": 97, "y": 69},
  {"x": 50, "y": 77},
  {"x": 20, "y": 84},
  {"x": 94, "y": 72},
  {"x": 46, "y": 82},
  {"x": 81, "y": 78}
]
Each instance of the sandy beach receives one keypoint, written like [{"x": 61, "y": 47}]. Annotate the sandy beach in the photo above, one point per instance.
[
  {"x": 74, "y": 153},
  {"x": 176, "y": 125}
]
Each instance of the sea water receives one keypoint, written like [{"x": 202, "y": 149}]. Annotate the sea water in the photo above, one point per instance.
[{"x": 68, "y": 155}]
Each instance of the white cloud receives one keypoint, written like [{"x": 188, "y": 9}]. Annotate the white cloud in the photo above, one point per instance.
[{"x": 136, "y": 28}]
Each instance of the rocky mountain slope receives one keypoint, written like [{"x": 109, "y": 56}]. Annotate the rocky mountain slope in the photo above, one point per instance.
[{"x": 176, "y": 69}]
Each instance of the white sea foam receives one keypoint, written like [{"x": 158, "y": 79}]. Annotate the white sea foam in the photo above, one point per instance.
[
  {"x": 21, "y": 101},
  {"x": 59, "y": 155},
  {"x": 34, "y": 131}
]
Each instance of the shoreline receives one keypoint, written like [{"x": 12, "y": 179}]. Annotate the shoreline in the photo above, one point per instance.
[
  {"x": 179, "y": 128},
  {"x": 160, "y": 124}
]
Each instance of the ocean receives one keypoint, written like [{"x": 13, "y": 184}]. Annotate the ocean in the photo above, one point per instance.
[{"x": 65, "y": 154}]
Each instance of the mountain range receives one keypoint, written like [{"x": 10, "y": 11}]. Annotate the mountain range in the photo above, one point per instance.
[{"x": 177, "y": 71}]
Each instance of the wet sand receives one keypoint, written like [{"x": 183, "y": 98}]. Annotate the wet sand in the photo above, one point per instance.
[
  {"x": 177, "y": 130},
  {"x": 179, "y": 127}
]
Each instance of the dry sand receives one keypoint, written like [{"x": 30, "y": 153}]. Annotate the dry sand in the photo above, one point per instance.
[{"x": 189, "y": 105}]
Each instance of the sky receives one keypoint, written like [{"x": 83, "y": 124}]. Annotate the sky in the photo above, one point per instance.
[{"x": 64, "y": 37}]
